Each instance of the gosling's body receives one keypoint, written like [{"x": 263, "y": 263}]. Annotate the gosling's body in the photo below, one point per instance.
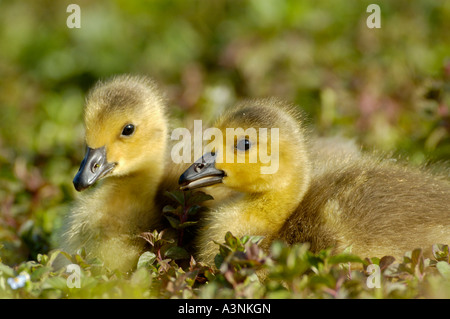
[
  {"x": 371, "y": 207},
  {"x": 339, "y": 199},
  {"x": 261, "y": 203},
  {"x": 107, "y": 220}
]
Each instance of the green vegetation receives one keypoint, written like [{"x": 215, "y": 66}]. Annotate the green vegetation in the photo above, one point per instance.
[
  {"x": 289, "y": 272},
  {"x": 388, "y": 88}
]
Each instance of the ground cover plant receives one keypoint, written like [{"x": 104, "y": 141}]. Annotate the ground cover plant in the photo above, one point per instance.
[
  {"x": 241, "y": 270},
  {"x": 387, "y": 88}
]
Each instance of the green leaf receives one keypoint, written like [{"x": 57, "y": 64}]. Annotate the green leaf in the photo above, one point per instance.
[
  {"x": 174, "y": 222},
  {"x": 39, "y": 273},
  {"x": 168, "y": 209},
  {"x": 441, "y": 252},
  {"x": 174, "y": 211},
  {"x": 193, "y": 210},
  {"x": 55, "y": 283},
  {"x": 218, "y": 260},
  {"x": 344, "y": 258},
  {"x": 141, "y": 278},
  {"x": 8, "y": 271},
  {"x": 277, "y": 248},
  {"x": 198, "y": 197},
  {"x": 416, "y": 256},
  {"x": 210, "y": 275},
  {"x": 386, "y": 261},
  {"x": 186, "y": 224},
  {"x": 233, "y": 242},
  {"x": 43, "y": 259},
  {"x": 53, "y": 255},
  {"x": 146, "y": 259},
  {"x": 224, "y": 250},
  {"x": 66, "y": 255},
  {"x": 374, "y": 260},
  {"x": 176, "y": 253},
  {"x": 324, "y": 279},
  {"x": 444, "y": 269},
  {"x": 81, "y": 252},
  {"x": 176, "y": 195},
  {"x": 252, "y": 239}
]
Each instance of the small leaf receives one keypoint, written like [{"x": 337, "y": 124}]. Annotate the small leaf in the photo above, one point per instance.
[
  {"x": 218, "y": 260},
  {"x": 416, "y": 256},
  {"x": 66, "y": 255},
  {"x": 344, "y": 258},
  {"x": 95, "y": 262},
  {"x": 174, "y": 222},
  {"x": 6, "y": 270},
  {"x": 277, "y": 248},
  {"x": 141, "y": 278},
  {"x": 198, "y": 197},
  {"x": 252, "y": 239},
  {"x": 224, "y": 250},
  {"x": 210, "y": 275},
  {"x": 176, "y": 253},
  {"x": 386, "y": 261},
  {"x": 146, "y": 259},
  {"x": 441, "y": 252},
  {"x": 39, "y": 273},
  {"x": 375, "y": 260},
  {"x": 148, "y": 237},
  {"x": 176, "y": 195},
  {"x": 186, "y": 224},
  {"x": 232, "y": 241},
  {"x": 444, "y": 269},
  {"x": 168, "y": 209},
  {"x": 43, "y": 259},
  {"x": 81, "y": 252},
  {"x": 53, "y": 255},
  {"x": 193, "y": 210},
  {"x": 55, "y": 283}
]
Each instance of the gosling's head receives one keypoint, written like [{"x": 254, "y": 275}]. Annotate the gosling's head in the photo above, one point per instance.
[
  {"x": 126, "y": 129},
  {"x": 261, "y": 149}
]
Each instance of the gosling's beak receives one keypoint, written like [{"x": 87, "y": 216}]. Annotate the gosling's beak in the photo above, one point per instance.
[
  {"x": 201, "y": 173},
  {"x": 93, "y": 167}
]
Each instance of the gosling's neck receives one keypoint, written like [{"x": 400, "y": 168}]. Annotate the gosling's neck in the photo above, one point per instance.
[
  {"x": 130, "y": 199},
  {"x": 265, "y": 213},
  {"x": 253, "y": 214},
  {"x": 118, "y": 211}
]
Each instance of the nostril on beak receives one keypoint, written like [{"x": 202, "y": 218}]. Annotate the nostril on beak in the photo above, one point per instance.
[
  {"x": 95, "y": 167},
  {"x": 199, "y": 167}
]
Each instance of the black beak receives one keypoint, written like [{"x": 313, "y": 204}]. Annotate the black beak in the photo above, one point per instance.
[
  {"x": 93, "y": 167},
  {"x": 201, "y": 174}
]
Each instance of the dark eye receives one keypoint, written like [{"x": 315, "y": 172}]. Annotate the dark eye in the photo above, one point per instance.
[
  {"x": 128, "y": 130},
  {"x": 243, "y": 145}
]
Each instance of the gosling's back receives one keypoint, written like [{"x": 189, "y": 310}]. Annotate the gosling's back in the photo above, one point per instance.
[{"x": 376, "y": 208}]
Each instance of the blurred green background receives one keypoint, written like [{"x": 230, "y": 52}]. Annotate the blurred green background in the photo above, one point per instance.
[{"x": 388, "y": 88}]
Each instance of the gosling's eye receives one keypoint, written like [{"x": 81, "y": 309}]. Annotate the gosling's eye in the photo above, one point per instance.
[
  {"x": 243, "y": 145},
  {"x": 128, "y": 130}
]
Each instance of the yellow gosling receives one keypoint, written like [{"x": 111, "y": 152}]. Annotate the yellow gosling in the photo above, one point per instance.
[
  {"x": 266, "y": 200},
  {"x": 373, "y": 208},
  {"x": 335, "y": 197},
  {"x": 126, "y": 136}
]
